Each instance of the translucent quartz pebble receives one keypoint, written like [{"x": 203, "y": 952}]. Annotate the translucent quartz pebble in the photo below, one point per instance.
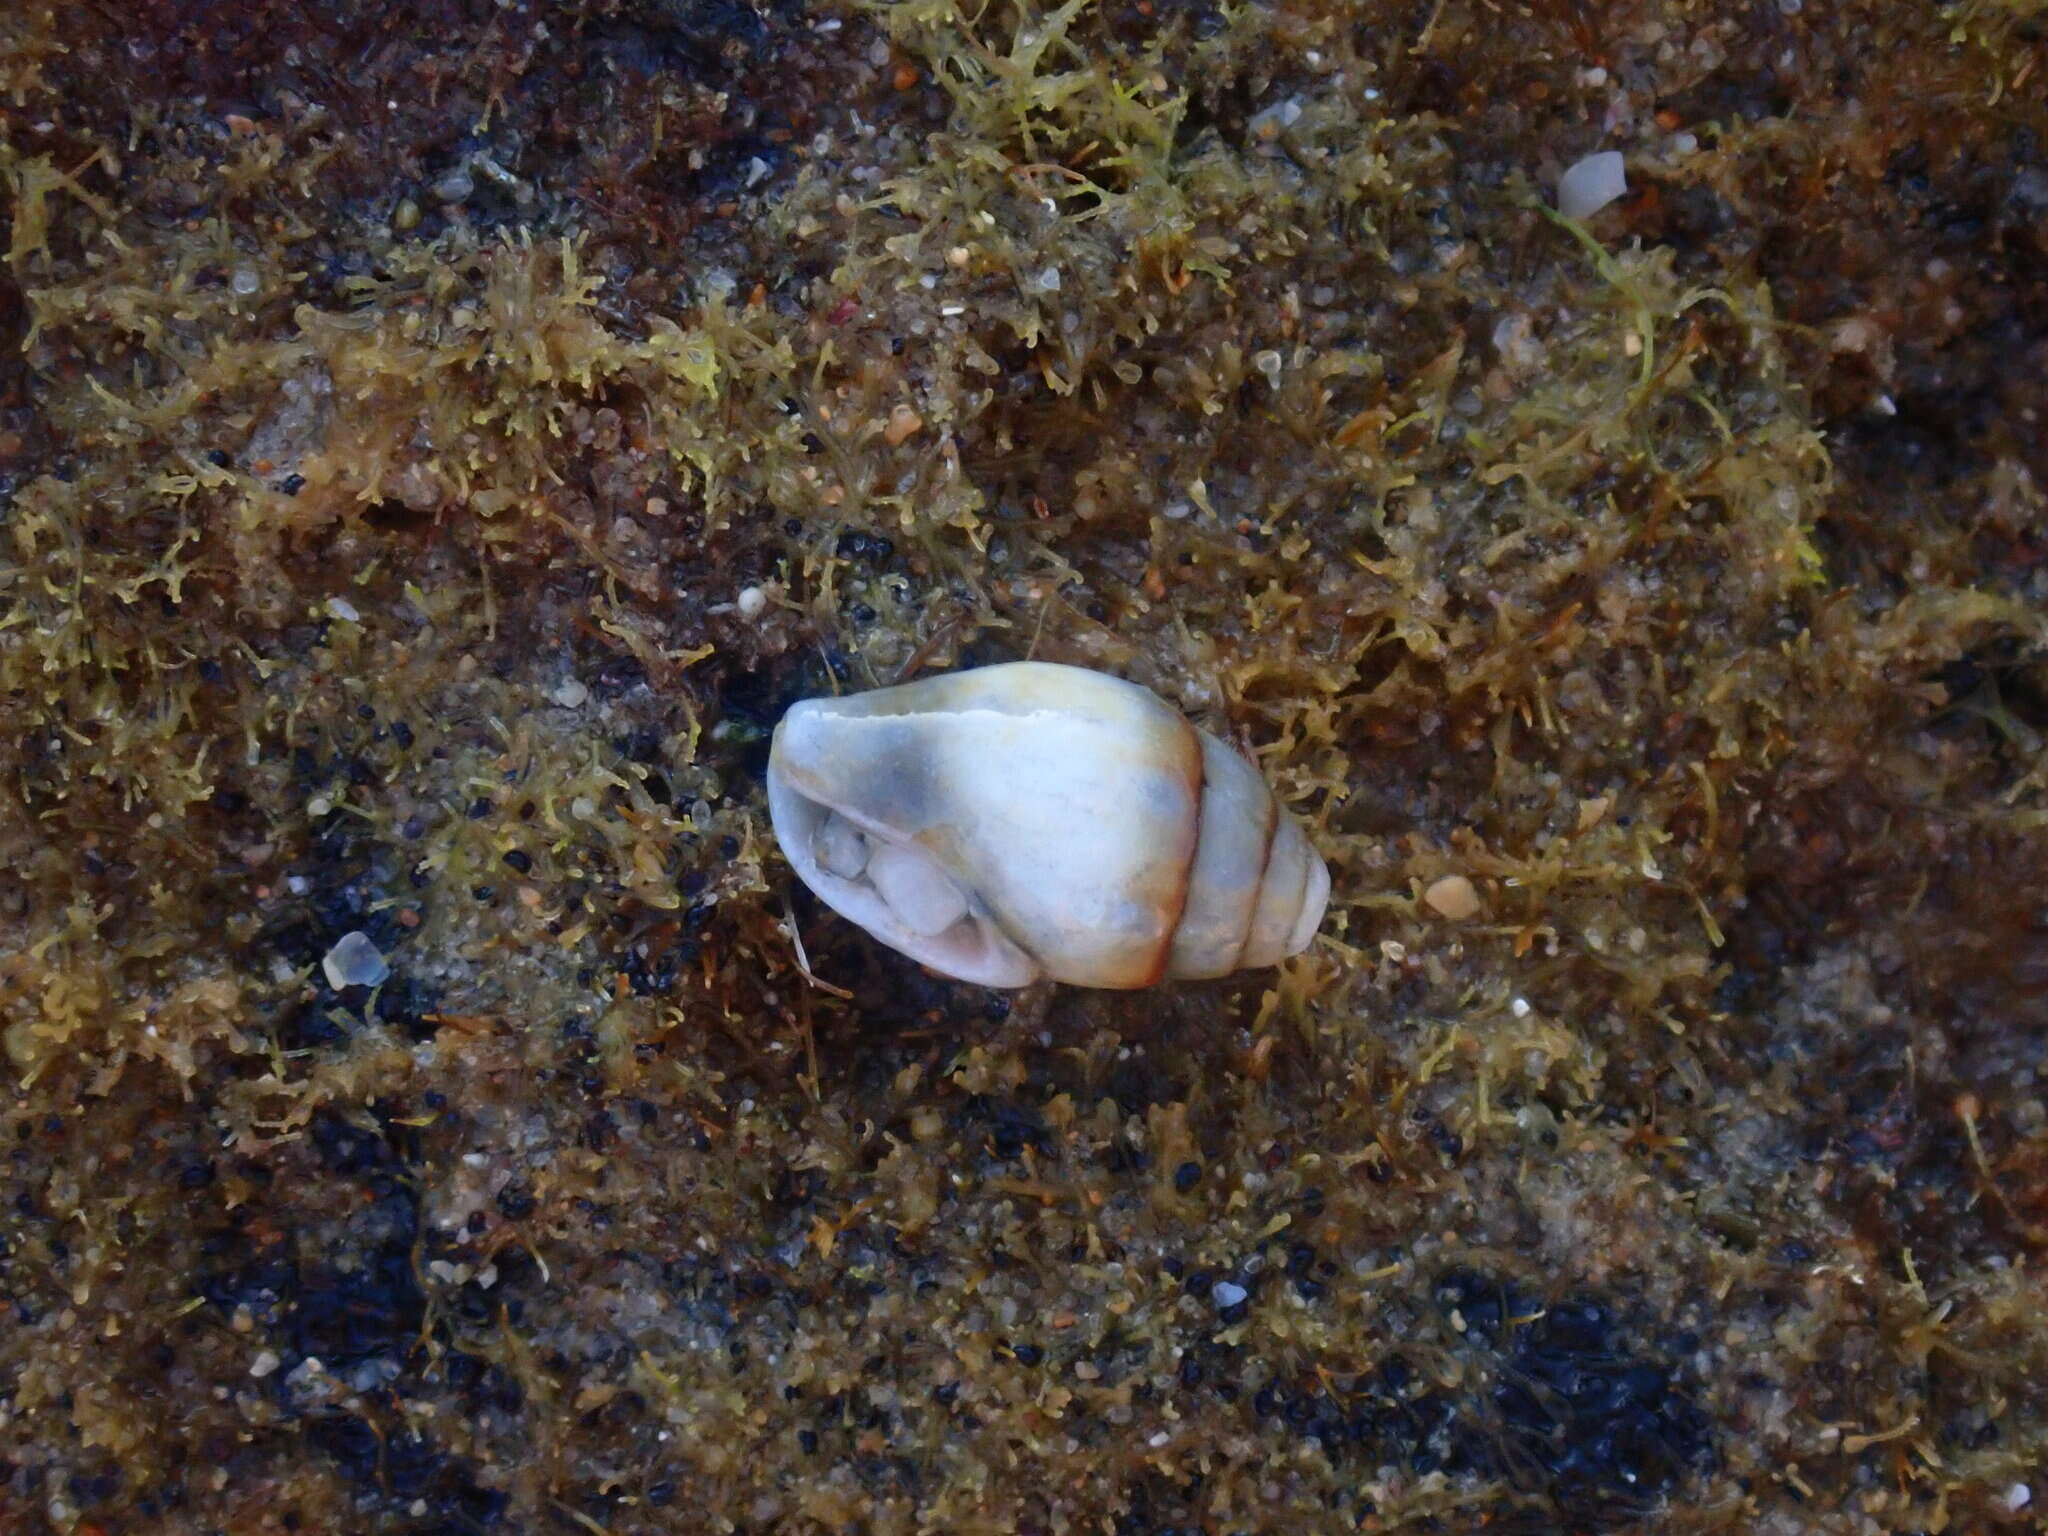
[
  {"x": 354, "y": 962},
  {"x": 920, "y": 893},
  {"x": 840, "y": 848}
]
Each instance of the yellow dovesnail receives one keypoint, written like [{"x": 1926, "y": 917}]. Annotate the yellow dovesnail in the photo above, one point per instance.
[{"x": 1033, "y": 822}]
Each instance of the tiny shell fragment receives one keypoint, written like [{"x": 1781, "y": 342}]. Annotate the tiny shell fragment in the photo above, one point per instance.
[
  {"x": 1591, "y": 184},
  {"x": 1453, "y": 897}
]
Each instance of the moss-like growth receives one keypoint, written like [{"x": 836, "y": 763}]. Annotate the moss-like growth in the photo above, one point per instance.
[{"x": 433, "y": 449}]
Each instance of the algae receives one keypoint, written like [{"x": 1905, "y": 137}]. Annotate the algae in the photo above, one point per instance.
[{"x": 434, "y": 447}]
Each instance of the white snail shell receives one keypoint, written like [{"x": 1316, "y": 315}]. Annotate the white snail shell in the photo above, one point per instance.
[{"x": 1031, "y": 821}]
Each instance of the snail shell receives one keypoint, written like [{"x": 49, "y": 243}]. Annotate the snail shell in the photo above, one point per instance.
[{"x": 1032, "y": 821}]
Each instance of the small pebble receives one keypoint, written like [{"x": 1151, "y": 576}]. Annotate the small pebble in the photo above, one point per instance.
[
  {"x": 1453, "y": 897},
  {"x": 840, "y": 849},
  {"x": 265, "y": 1362},
  {"x": 569, "y": 693},
  {"x": 917, "y": 890},
  {"x": 1591, "y": 184},
  {"x": 342, "y": 608},
  {"x": 752, "y": 603},
  {"x": 1227, "y": 1294},
  {"x": 904, "y": 423},
  {"x": 354, "y": 962},
  {"x": 1269, "y": 123}
]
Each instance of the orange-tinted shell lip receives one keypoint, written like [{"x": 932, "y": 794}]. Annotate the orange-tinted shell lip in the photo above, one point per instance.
[{"x": 1155, "y": 972}]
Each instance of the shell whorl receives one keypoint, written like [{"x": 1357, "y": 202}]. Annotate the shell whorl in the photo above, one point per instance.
[{"x": 1251, "y": 877}]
